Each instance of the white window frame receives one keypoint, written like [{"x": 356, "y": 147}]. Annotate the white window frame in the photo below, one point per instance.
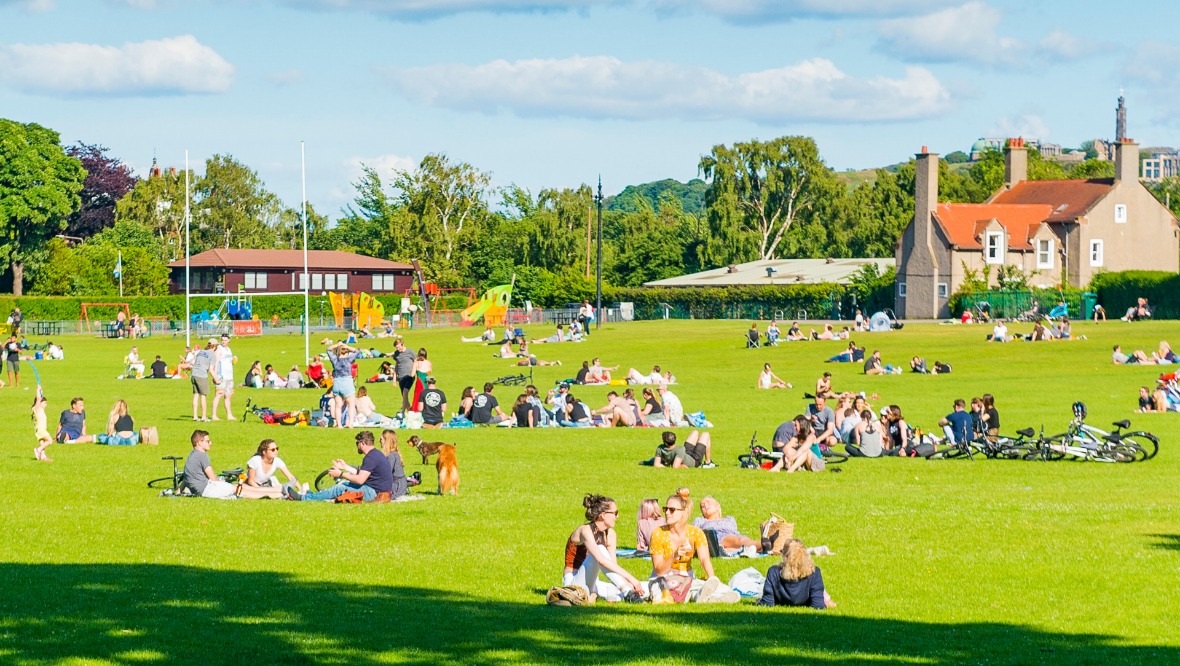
[
  {"x": 329, "y": 282},
  {"x": 1045, "y": 248},
  {"x": 1120, "y": 213},
  {"x": 901, "y": 289},
  {"x": 248, "y": 281},
  {"x": 943, "y": 290},
  {"x": 317, "y": 281},
  {"x": 377, "y": 282},
  {"x": 997, "y": 248},
  {"x": 303, "y": 280},
  {"x": 342, "y": 281},
  {"x": 1097, "y": 252}
]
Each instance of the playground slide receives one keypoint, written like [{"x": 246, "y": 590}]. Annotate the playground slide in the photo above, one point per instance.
[{"x": 493, "y": 307}]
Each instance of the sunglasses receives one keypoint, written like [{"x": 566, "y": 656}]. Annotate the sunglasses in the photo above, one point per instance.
[
  {"x": 669, "y": 509},
  {"x": 274, "y": 448}
]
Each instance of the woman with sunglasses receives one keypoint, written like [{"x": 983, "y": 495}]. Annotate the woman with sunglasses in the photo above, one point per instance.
[
  {"x": 591, "y": 549},
  {"x": 263, "y": 467},
  {"x": 672, "y": 548}
]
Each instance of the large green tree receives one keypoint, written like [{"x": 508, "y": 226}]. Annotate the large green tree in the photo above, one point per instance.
[
  {"x": 157, "y": 203},
  {"x": 757, "y": 191},
  {"x": 233, "y": 208},
  {"x": 39, "y": 186}
]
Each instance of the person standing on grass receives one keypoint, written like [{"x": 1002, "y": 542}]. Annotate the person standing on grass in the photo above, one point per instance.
[
  {"x": 224, "y": 375},
  {"x": 16, "y": 318},
  {"x": 201, "y": 365},
  {"x": 342, "y": 357},
  {"x": 12, "y": 356},
  {"x": 40, "y": 427},
  {"x": 403, "y": 360},
  {"x": 71, "y": 428}
]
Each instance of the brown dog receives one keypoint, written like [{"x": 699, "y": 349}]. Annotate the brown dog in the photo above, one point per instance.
[
  {"x": 448, "y": 470},
  {"x": 426, "y": 449}
]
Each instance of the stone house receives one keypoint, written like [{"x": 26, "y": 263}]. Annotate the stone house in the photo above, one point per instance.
[{"x": 1055, "y": 231}]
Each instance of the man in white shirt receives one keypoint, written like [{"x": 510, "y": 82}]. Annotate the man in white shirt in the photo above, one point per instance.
[
  {"x": 999, "y": 332},
  {"x": 223, "y": 362}
]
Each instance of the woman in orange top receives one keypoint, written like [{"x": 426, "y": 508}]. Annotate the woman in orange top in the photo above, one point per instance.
[
  {"x": 673, "y": 547},
  {"x": 591, "y": 549}
]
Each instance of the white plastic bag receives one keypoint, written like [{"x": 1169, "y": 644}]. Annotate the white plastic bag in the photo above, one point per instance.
[{"x": 748, "y": 582}]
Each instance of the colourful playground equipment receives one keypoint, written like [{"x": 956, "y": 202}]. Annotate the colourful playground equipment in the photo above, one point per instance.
[
  {"x": 366, "y": 311},
  {"x": 493, "y": 307}
]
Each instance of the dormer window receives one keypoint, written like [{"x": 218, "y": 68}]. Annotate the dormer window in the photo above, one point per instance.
[{"x": 993, "y": 247}]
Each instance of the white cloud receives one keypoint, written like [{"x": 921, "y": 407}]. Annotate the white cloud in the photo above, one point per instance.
[
  {"x": 427, "y": 9},
  {"x": 1029, "y": 126},
  {"x": 967, "y": 32},
  {"x": 383, "y": 164},
  {"x": 171, "y": 66},
  {"x": 605, "y": 87},
  {"x": 30, "y": 5},
  {"x": 1154, "y": 69},
  {"x": 1061, "y": 44}
]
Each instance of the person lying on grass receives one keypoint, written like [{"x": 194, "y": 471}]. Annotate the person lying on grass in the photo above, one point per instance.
[
  {"x": 590, "y": 550},
  {"x": 796, "y": 581},
  {"x": 1137, "y": 357},
  {"x": 696, "y": 452},
  {"x": 732, "y": 541}
]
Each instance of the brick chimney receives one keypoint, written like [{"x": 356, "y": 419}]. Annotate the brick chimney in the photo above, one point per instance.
[
  {"x": 1126, "y": 161},
  {"x": 925, "y": 196},
  {"x": 1015, "y": 162},
  {"x": 917, "y": 263}
]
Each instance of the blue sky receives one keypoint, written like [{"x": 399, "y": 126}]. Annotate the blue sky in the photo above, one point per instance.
[{"x": 551, "y": 93}]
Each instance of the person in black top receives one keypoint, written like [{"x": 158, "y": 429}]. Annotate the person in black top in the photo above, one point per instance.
[
  {"x": 12, "y": 356},
  {"x": 433, "y": 405},
  {"x": 527, "y": 415},
  {"x": 159, "y": 369},
  {"x": 991, "y": 416},
  {"x": 577, "y": 414},
  {"x": 1146, "y": 401},
  {"x": 374, "y": 478},
  {"x": 581, "y": 377},
  {"x": 120, "y": 427},
  {"x": 16, "y": 318},
  {"x": 485, "y": 408},
  {"x": 796, "y": 581}
]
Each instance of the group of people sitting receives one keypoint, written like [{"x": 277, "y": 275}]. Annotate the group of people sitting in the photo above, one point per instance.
[
  {"x": 673, "y": 544},
  {"x": 1163, "y": 356},
  {"x": 267, "y": 377},
  {"x": 794, "y": 333},
  {"x": 1058, "y": 329},
  {"x": 1164, "y": 397},
  {"x": 71, "y": 426},
  {"x": 381, "y": 476},
  {"x": 561, "y": 408}
]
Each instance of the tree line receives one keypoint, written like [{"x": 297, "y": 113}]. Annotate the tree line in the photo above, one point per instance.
[{"x": 67, "y": 212}]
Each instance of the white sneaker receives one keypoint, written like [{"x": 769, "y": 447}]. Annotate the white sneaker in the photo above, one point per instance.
[
  {"x": 749, "y": 551},
  {"x": 708, "y": 590}
]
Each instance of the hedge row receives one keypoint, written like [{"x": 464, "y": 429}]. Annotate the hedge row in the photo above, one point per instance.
[
  {"x": 67, "y": 308},
  {"x": 746, "y": 302},
  {"x": 1119, "y": 291}
]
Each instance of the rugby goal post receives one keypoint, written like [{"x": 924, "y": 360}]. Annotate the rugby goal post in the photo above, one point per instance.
[{"x": 84, "y": 318}]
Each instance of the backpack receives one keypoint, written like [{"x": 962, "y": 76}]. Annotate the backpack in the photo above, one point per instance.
[{"x": 351, "y": 497}]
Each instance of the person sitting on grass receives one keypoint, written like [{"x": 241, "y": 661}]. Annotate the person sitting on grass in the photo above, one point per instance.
[
  {"x": 120, "y": 428},
  {"x": 732, "y": 541},
  {"x": 253, "y": 376},
  {"x": 1137, "y": 357},
  {"x": 262, "y": 469},
  {"x": 772, "y": 333},
  {"x": 271, "y": 379},
  {"x": 1138, "y": 312},
  {"x": 873, "y": 366},
  {"x": 432, "y": 404},
  {"x": 866, "y": 437},
  {"x": 958, "y": 424},
  {"x": 828, "y": 334},
  {"x": 159, "y": 369},
  {"x": 692, "y": 454},
  {"x": 797, "y": 451},
  {"x": 918, "y": 365},
  {"x": 649, "y": 518},
  {"x": 53, "y": 352},
  {"x": 577, "y": 414},
  {"x": 1165, "y": 355},
  {"x": 673, "y": 409},
  {"x": 768, "y": 380},
  {"x": 999, "y": 332},
  {"x": 373, "y": 479},
  {"x": 617, "y": 412},
  {"x": 794, "y": 334},
  {"x": 1146, "y": 400},
  {"x": 525, "y": 413},
  {"x": 485, "y": 409},
  {"x": 850, "y": 355},
  {"x": 488, "y": 335},
  {"x": 652, "y": 412},
  {"x": 796, "y": 581},
  {"x": 823, "y": 421},
  {"x": 590, "y": 550},
  {"x": 673, "y": 548},
  {"x": 315, "y": 372},
  {"x": 506, "y": 350},
  {"x": 366, "y": 410},
  {"x": 71, "y": 426},
  {"x": 200, "y": 478},
  {"x": 823, "y": 386},
  {"x": 599, "y": 374},
  {"x": 397, "y": 466}
]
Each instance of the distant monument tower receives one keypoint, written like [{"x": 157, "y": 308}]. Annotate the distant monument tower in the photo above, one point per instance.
[{"x": 1120, "y": 124}]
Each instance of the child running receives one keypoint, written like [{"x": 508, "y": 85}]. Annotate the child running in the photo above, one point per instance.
[{"x": 40, "y": 431}]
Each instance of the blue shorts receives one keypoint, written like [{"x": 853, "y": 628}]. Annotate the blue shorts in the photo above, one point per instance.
[{"x": 343, "y": 387}]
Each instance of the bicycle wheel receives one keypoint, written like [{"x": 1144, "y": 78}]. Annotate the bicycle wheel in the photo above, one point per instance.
[
  {"x": 324, "y": 480},
  {"x": 948, "y": 453},
  {"x": 1015, "y": 452},
  {"x": 1144, "y": 440},
  {"x": 166, "y": 482}
]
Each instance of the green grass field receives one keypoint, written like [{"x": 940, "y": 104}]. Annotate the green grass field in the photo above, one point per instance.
[{"x": 991, "y": 562}]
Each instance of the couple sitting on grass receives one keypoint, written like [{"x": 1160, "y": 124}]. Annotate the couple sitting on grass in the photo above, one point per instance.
[{"x": 590, "y": 550}]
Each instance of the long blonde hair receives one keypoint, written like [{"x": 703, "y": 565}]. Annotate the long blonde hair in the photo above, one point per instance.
[
  {"x": 118, "y": 410},
  {"x": 797, "y": 563},
  {"x": 389, "y": 442}
]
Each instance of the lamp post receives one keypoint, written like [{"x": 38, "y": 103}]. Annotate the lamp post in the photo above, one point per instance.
[{"x": 598, "y": 291}]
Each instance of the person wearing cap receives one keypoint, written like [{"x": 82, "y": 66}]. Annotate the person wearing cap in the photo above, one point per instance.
[
  {"x": 432, "y": 404},
  {"x": 224, "y": 360},
  {"x": 557, "y": 399},
  {"x": 202, "y": 364},
  {"x": 342, "y": 357}
]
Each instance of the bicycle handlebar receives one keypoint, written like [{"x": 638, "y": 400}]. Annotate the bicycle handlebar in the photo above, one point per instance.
[{"x": 171, "y": 458}]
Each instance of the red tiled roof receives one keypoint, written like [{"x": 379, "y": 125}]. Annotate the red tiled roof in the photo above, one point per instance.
[
  {"x": 963, "y": 224},
  {"x": 1070, "y": 199},
  {"x": 290, "y": 259}
]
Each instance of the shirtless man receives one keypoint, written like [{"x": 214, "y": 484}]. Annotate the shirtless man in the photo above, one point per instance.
[{"x": 618, "y": 411}]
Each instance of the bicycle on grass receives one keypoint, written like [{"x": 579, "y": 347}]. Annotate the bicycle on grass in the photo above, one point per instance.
[{"x": 174, "y": 484}]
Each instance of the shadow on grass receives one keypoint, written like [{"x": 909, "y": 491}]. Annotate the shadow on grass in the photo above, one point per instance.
[
  {"x": 170, "y": 614},
  {"x": 1167, "y": 541}
]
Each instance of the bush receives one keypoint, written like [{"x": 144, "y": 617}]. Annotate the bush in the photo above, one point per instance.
[
  {"x": 1119, "y": 291},
  {"x": 69, "y": 308},
  {"x": 745, "y": 302}
]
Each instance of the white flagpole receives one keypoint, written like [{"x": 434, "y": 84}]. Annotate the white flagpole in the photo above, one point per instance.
[
  {"x": 307, "y": 284},
  {"x": 120, "y": 263},
  {"x": 188, "y": 315}
]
